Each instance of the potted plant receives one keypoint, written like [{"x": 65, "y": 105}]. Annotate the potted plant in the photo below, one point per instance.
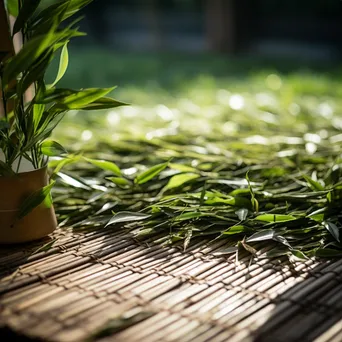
[{"x": 30, "y": 109}]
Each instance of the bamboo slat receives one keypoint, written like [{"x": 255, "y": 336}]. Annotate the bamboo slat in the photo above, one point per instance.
[{"x": 106, "y": 281}]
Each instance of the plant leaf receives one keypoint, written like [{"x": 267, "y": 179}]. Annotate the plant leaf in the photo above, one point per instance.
[
  {"x": 242, "y": 214},
  {"x": 81, "y": 98},
  {"x": 150, "y": 173},
  {"x": 12, "y": 7},
  {"x": 275, "y": 218},
  {"x": 27, "y": 56},
  {"x": 180, "y": 179},
  {"x": 238, "y": 229},
  {"x": 105, "y": 165},
  {"x": 25, "y": 13},
  {"x": 229, "y": 250},
  {"x": 38, "y": 110},
  {"x": 189, "y": 216},
  {"x": 59, "y": 164},
  {"x": 120, "y": 181},
  {"x": 298, "y": 254},
  {"x": 127, "y": 216},
  {"x": 328, "y": 253},
  {"x": 262, "y": 236},
  {"x": 332, "y": 229},
  {"x": 314, "y": 185},
  {"x": 63, "y": 64},
  {"x": 34, "y": 200},
  {"x": 104, "y": 103},
  {"x": 52, "y": 148},
  {"x": 182, "y": 168}
]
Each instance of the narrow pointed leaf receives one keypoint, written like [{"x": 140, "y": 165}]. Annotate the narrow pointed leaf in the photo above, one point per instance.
[
  {"x": 52, "y": 148},
  {"x": 332, "y": 229},
  {"x": 26, "y": 11},
  {"x": 150, "y": 173},
  {"x": 34, "y": 200},
  {"x": 275, "y": 218},
  {"x": 229, "y": 250},
  {"x": 127, "y": 216},
  {"x": 105, "y": 165},
  {"x": 120, "y": 181},
  {"x": 12, "y": 7},
  {"x": 262, "y": 236},
  {"x": 314, "y": 185},
  {"x": 80, "y": 99},
  {"x": 63, "y": 64},
  {"x": 180, "y": 179},
  {"x": 242, "y": 214},
  {"x": 104, "y": 103},
  {"x": 298, "y": 254}
]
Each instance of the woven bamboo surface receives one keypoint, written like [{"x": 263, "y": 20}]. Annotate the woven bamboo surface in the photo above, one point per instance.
[{"x": 107, "y": 283}]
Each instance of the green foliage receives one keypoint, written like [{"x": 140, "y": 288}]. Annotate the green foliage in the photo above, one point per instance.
[
  {"x": 24, "y": 129},
  {"x": 188, "y": 115},
  {"x": 27, "y": 125},
  {"x": 35, "y": 199}
]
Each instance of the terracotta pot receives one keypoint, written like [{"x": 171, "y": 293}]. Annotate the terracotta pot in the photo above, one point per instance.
[{"x": 40, "y": 222}]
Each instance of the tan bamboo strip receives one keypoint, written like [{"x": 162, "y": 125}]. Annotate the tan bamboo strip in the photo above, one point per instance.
[
  {"x": 332, "y": 334},
  {"x": 222, "y": 298}
]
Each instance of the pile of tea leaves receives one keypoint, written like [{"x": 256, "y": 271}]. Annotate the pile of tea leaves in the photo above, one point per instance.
[{"x": 253, "y": 159}]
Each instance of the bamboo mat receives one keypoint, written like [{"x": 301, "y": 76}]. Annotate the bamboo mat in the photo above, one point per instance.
[{"x": 106, "y": 286}]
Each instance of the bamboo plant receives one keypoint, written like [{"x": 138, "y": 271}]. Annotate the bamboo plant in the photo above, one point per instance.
[{"x": 27, "y": 124}]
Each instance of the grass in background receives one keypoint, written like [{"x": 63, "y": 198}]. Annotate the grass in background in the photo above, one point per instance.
[{"x": 241, "y": 150}]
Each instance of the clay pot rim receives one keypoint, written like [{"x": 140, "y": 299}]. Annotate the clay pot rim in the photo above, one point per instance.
[{"x": 18, "y": 174}]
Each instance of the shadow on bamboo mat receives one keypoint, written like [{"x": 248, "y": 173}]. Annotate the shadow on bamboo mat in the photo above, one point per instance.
[{"x": 105, "y": 286}]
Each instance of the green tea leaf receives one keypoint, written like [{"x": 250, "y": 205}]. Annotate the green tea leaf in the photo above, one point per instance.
[
  {"x": 105, "y": 165},
  {"x": 104, "y": 103},
  {"x": 328, "y": 253},
  {"x": 12, "y": 7},
  {"x": 189, "y": 216},
  {"x": 27, "y": 56},
  {"x": 38, "y": 110},
  {"x": 80, "y": 99},
  {"x": 59, "y": 164},
  {"x": 150, "y": 173},
  {"x": 229, "y": 250},
  {"x": 242, "y": 214},
  {"x": 233, "y": 201},
  {"x": 314, "y": 185},
  {"x": 275, "y": 218},
  {"x": 318, "y": 215},
  {"x": 262, "y": 236},
  {"x": 120, "y": 181},
  {"x": 63, "y": 64},
  {"x": 238, "y": 229},
  {"x": 127, "y": 216},
  {"x": 26, "y": 11},
  {"x": 298, "y": 254},
  {"x": 180, "y": 179},
  {"x": 52, "y": 148},
  {"x": 36, "y": 71},
  {"x": 254, "y": 201},
  {"x": 34, "y": 200},
  {"x": 332, "y": 229}
]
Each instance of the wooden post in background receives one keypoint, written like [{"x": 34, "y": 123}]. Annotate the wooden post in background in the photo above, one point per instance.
[
  {"x": 6, "y": 46},
  {"x": 221, "y": 25}
]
